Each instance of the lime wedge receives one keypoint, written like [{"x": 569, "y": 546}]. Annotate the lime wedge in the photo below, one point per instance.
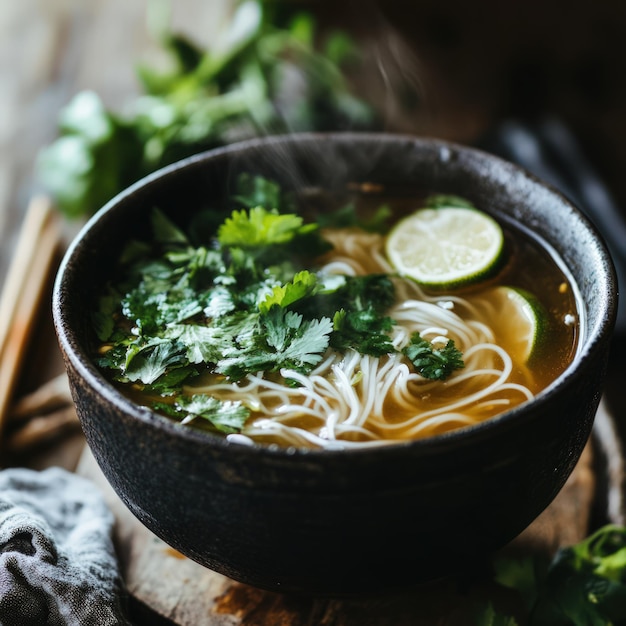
[
  {"x": 446, "y": 246},
  {"x": 520, "y": 321}
]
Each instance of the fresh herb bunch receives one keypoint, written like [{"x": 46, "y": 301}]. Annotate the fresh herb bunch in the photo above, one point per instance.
[
  {"x": 584, "y": 585},
  {"x": 239, "y": 302},
  {"x": 267, "y": 78}
]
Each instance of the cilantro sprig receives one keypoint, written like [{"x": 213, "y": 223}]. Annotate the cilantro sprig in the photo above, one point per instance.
[
  {"x": 226, "y": 417},
  {"x": 431, "y": 362},
  {"x": 583, "y": 585},
  {"x": 241, "y": 302}
]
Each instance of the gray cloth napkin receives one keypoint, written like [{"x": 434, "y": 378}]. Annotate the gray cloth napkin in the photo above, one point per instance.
[{"x": 57, "y": 561}]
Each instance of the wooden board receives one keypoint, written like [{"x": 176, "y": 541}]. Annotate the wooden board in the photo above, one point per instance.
[{"x": 176, "y": 589}]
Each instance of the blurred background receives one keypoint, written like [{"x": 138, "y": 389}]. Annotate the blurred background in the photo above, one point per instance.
[{"x": 450, "y": 69}]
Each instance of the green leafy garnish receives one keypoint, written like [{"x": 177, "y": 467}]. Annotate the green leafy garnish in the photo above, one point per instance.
[
  {"x": 431, "y": 362},
  {"x": 225, "y": 416},
  {"x": 148, "y": 363},
  {"x": 303, "y": 285},
  {"x": 437, "y": 201},
  {"x": 240, "y": 304},
  {"x": 259, "y": 227},
  {"x": 259, "y": 191},
  {"x": 348, "y": 216},
  {"x": 285, "y": 340},
  {"x": 364, "y": 331},
  {"x": 488, "y": 616}
]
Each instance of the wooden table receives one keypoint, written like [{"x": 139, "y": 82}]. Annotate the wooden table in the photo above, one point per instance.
[{"x": 50, "y": 50}]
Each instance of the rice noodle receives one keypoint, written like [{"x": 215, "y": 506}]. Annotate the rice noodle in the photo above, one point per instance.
[{"x": 352, "y": 400}]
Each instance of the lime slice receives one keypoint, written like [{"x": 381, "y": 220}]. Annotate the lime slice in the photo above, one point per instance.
[
  {"x": 445, "y": 247},
  {"x": 520, "y": 321}
]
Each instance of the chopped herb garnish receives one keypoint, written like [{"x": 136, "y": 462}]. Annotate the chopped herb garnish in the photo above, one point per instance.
[
  {"x": 148, "y": 363},
  {"x": 437, "y": 201},
  {"x": 363, "y": 331},
  {"x": 431, "y": 362},
  {"x": 303, "y": 285},
  {"x": 242, "y": 303},
  {"x": 225, "y": 416},
  {"x": 283, "y": 339},
  {"x": 259, "y": 228},
  {"x": 348, "y": 216},
  {"x": 259, "y": 191}
]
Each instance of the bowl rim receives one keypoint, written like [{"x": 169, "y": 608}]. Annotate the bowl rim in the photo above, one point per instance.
[{"x": 88, "y": 371}]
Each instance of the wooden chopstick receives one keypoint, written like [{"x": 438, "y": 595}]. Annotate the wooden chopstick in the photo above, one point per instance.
[
  {"x": 43, "y": 428},
  {"x": 50, "y": 396},
  {"x": 37, "y": 248}
]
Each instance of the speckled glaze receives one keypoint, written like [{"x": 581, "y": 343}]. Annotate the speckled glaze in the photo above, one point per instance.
[{"x": 338, "y": 522}]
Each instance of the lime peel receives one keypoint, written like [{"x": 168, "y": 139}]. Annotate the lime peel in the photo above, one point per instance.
[
  {"x": 445, "y": 247},
  {"x": 523, "y": 322}
]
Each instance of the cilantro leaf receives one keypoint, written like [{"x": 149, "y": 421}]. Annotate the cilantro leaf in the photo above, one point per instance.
[
  {"x": 260, "y": 227},
  {"x": 114, "y": 359},
  {"x": 286, "y": 341},
  {"x": 487, "y": 616},
  {"x": 258, "y": 191},
  {"x": 196, "y": 267},
  {"x": 242, "y": 268},
  {"x": 220, "y": 301},
  {"x": 441, "y": 200},
  {"x": 363, "y": 331},
  {"x": 226, "y": 416},
  {"x": 304, "y": 284},
  {"x": 103, "y": 317},
  {"x": 347, "y": 216},
  {"x": 298, "y": 343},
  {"x": 165, "y": 231},
  {"x": 585, "y": 583},
  {"x": 169, "y": 383},
  {"x": 373, "y": 291},
  {"x": 151, "y": 310},
  {"x": 431, "y": 362},
  {"x": 352, "y": 293},
  {"x": 202, "y": 343},
  {"x": 147, "y": 363},
  {"x": 257, "y": 241}
]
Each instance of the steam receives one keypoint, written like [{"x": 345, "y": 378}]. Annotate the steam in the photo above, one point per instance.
[
  {"x": 382, "y": 90},
  {"x": 396, "y": 78}
]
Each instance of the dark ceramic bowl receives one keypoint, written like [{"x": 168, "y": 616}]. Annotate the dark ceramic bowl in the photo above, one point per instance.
[{"x": 338, "y": 521}]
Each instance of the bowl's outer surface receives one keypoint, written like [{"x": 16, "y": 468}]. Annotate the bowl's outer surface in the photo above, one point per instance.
[{"x": 338, "y": 522}]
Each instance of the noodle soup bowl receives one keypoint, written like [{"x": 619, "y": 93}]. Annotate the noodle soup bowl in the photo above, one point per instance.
[{"x": 338, "y": 521}]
